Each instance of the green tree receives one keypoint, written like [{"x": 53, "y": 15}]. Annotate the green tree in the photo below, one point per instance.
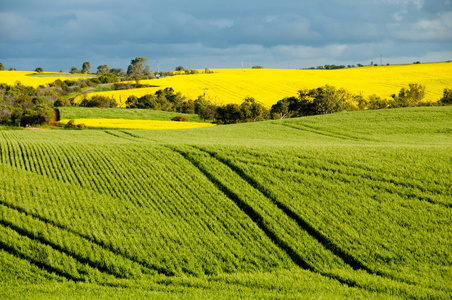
[
  {"x": 252, "y": 110},
  {"x": 5, "y": 113},
  {"x": 131, "y": 101},
  {"x": 205, "y": 108},
  {"x": 2, "y": 67},
  {"x": 102, "y": 69},
  {"x": 62, "y": 101},
  {"x": 447, "y": 97},
  {"x": 99, "y": 101},
  {"x": 108, "y": 78},
  {"x": 375, "y": 102},
  {"x": 328, "y": 100},
  {"x": 39, "y": 70},
  {"x": 74, "y": 70},
  {"x": 410, "y": 96},
  {"x": 118, "y": 72},
  {"x": 137, "y": 67},
  {"x": 229, "y": 114},
  {"x": 280, "y": 110},
  {"x": 180, "y": 68},
  {"x": 86, "y": 68}
]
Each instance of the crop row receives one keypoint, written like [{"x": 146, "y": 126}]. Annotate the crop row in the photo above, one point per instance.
[
  {"x": 286, "y": 233},
  {"x": 384, "y": 222},
  {"x": 129, "y": 200},
  {"x": 306, "y": 246}
]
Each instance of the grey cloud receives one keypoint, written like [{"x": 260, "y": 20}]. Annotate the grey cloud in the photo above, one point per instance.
[{"x": 215, "y": 32}]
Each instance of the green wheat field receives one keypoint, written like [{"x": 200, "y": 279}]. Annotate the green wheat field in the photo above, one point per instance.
[{"x": 354, "y": 205}]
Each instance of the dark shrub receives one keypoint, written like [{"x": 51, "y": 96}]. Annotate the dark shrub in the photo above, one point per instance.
[
  {"x": 447, "y": 97},
  {"x": 70, "y": 124},
  {"x": 180, "y": 119},
  {"x": 108, "y": 78},
  {"x": 99, "y": 101}
]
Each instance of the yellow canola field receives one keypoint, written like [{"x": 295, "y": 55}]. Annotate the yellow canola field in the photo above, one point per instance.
[
  {"x": 137, "y": 124},
  {"x": 270, "y": 85},
  {"x": 11, "y": 77}
]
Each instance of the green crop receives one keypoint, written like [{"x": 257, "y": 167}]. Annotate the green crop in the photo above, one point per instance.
[{"x": 349, "y": 205}]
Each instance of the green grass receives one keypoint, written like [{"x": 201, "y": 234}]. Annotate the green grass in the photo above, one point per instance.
[
  {"x": 343, "y": 206},
  {"x": 123, "y": 113}
]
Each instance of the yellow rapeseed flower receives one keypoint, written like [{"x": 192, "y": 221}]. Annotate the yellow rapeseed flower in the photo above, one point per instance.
[
  {"x": 270, "y": 85},
  {"x": 136, "y": 124},
  {"x": 12, "y": 77}
]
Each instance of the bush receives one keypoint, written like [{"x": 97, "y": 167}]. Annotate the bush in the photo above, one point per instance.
[
  {"x": 447, "y": 97},
  {"x": 180, "y": 119},
  {"x": 61, "y": 101},
  {"x": 108, "y": 78},
  {"x": 81, "y": 126},
  {"x": 94, "y": 81},
  {"x": 410, "y": 96},
  {"x": 376, "y": 102},
  {"x": 70, "y": 124},
  {"x": 99, "y": 101}
]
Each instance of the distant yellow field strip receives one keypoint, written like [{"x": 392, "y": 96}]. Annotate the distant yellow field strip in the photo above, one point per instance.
[
  {"x": 270, "y": 85},
  {"x": 11, "y": 77},
  {"x": 137, "y": 124}
]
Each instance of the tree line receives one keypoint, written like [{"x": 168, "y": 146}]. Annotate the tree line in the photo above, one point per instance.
[
  {"x": 322, "y": 100},
  {"x": 25, "y": 105},
  {"x": 21, "y": 105}
]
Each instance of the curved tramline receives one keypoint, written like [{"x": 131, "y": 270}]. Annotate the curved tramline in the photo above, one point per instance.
[
  {"x": 360, "y": 207},
  {"x": 163, "y": 208}
]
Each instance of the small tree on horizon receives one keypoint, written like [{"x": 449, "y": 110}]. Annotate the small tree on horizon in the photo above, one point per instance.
[
  {"x": 86, "y": 68},
  {"x": 137, "y": 68},
  {"x": 102, "y": 69},
  {"x": 74, "y": 70}
]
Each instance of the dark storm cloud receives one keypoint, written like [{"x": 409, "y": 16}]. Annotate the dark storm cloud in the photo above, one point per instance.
[{"x": 60, "y": 34}]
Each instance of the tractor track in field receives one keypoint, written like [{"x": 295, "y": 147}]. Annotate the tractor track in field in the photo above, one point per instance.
[
  {"x": 250, "y": 212},
  {"x": 87, "y": 238},
  {"x": 40, "y": 265},
  {"x": 329, "y": 245},
  {"x": 321, "y": 238},
  {"x": 71, "y": 254},
  {"x": 304, "y": 127}
]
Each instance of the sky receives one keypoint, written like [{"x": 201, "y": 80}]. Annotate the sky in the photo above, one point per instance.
[{"x": 59, "y": 34}]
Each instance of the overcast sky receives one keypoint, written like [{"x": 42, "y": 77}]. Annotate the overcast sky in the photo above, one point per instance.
[{"x": 59, "y": 34}]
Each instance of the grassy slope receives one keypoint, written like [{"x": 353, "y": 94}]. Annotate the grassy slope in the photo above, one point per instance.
[
  {"x": 350, "y": 205},
  {"x": 122, "y": 113}
]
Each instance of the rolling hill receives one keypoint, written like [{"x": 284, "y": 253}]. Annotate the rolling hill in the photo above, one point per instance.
[
  {"x": 269, "y": 85},
  {"x": 347, "y": 205}
]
